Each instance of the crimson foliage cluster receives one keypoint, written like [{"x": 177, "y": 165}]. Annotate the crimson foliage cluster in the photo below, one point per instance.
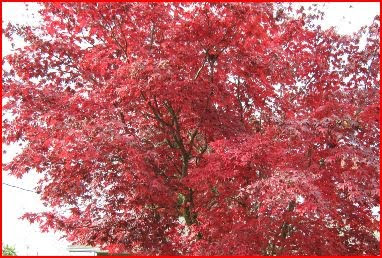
[{"x": 198, "y": 129}]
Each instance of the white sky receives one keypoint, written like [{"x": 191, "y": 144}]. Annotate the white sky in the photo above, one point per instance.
[{"x": 25, "y": 237}]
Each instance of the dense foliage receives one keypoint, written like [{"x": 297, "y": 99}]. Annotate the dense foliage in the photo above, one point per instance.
[
  {"x": 198, "y": 129},
  {"x": 8, "y": 251}
]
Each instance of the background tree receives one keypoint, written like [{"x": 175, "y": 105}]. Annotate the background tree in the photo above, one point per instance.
[
  {"x": 8, "y": 251},
  {"x": 198, "y": 129}
]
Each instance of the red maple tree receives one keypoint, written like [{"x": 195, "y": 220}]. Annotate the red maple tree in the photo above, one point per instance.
[{"x": 198, "y": 129}]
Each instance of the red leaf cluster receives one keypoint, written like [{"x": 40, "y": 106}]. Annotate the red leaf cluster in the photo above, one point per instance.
[{"x": 198, "y": 129}]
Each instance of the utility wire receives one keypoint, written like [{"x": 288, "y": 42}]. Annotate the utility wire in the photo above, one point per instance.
[{"x": 20, "y": 188}]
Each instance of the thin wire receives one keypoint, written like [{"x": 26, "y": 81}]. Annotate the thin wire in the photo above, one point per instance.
[{"x": 20, "y": 188}]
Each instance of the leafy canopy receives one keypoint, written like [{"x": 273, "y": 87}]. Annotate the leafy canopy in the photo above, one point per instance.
[{"x": 198, "y": 129}]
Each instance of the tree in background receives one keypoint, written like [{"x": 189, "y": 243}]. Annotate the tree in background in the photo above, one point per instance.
[
  {"x": 198, "y": 129},
  {"x": 8, "y": 251}
]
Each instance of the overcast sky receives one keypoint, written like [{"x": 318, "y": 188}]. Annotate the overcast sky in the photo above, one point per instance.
[{"x": 346, "y": 17}]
